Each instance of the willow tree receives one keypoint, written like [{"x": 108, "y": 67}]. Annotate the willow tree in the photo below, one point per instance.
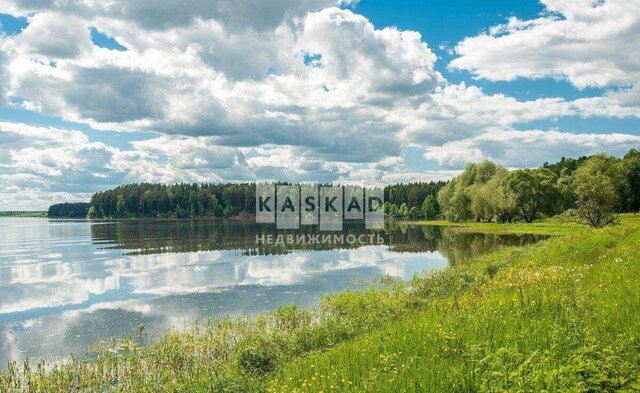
[
  {"x": 461, "y": 199},
  {"x": 430, "y": 207},
  {"x": 502, "y": 202},
  {"x": 597, "y": 185},
  {"x": 533, "y": 191}
]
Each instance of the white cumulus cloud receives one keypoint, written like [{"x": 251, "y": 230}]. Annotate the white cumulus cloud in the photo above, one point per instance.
[{"x": 585, "y": 42}]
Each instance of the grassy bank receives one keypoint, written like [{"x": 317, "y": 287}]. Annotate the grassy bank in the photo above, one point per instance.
[
  {"x": 563, "y": 315},
  {"x": 559, "y": 315}
]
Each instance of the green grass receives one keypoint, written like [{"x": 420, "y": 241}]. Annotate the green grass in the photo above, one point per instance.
[
  {"x": 563, "y": 315},
  {"x": 34, "y": 214},
  {"x": 560, "y": 315}
]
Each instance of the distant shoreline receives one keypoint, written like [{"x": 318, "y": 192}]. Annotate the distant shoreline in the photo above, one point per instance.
[
  {"x": 24, "y": 214},
  {"x": 43, "y": 214}
]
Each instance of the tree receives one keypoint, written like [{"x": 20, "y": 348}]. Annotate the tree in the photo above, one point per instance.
[
  {"x": 393, "y": 210},
  {"x": 461, "y": 200},
  {"x": 631, "y": 164},
  {"x": 414, "y": 213},
  {"x": 481, "y": 207},
  {"x": 484, "y": 172},
  {"x": 403, "y": 210},
  {"x": 596, "y": 191},
  {"x": 533, "y": 191},
  {"x": 566, "y": 190},
  {"x": 502, "y": 202},
  {"x": 444, "y": 198},
  {"x": 566, "y": 165},
  {"x": 216, "y": 209},
  {"x": 120, "y": 209},
  {"x": 454, "y": 200},
  {"x": 460, "y": 206},
  {"x": 430, "y": 207},
  {"x": 413, "y": 194}
]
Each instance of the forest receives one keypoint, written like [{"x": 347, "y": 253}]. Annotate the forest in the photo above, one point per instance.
[
  {"x": 218, "y": 200},
  {"x": 174, "y": 200},
  {"x": 591, "y": 189}
]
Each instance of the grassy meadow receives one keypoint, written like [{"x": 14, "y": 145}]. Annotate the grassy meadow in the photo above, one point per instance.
[{"x": 559, "y": 315}]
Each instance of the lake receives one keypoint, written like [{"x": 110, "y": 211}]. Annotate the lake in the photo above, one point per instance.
[{"x": 67, "y": 284}]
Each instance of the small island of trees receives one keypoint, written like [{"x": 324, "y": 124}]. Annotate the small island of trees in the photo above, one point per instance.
[{"x": 69, "y": 210}]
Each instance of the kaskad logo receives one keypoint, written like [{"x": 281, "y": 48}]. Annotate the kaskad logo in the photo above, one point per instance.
[{"x": 289, "y": 206}]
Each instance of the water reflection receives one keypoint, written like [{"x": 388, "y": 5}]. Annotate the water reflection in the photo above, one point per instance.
[{"x": 65, "y": 284}]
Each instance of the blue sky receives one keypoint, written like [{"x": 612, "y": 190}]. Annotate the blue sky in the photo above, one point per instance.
[{"x": 237, "y": 91}]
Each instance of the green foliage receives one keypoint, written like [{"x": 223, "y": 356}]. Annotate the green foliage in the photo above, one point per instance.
[
  {"x": 120, "y": 208},
  {"x": 463, "y": 198},
  {"x": 68, "y": 210},
  {"x": 631, "y": 166},
  {"x": 565, "y": 166},
  {"x": 596, "y": 186},
  {"x": 459, "y": 206},
  {"x": 200, "y": 200},
  {"x": 533, "y": 191},
  {"x": 259, "y": 355},
  {"x": 558, "y": 316},
  {"x": 215, "y": 206},
  {"x": 484, "y": 192},
  {"x": 175, "y": 200},
  {"x": 403, "y": 210},
  {"x": 414, "y": 213},
  {"x": 413, "y": 194},
  {"x": 291, "y": 317},
  {"x": 566, "y": 188},
  {"x": 392, "y": 210},
  {"x": 430, "y": 208},
  {"x": 502, "y": 203}
]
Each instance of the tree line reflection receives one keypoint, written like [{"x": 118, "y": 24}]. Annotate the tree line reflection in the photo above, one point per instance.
[{"x": 144, "y": 237}]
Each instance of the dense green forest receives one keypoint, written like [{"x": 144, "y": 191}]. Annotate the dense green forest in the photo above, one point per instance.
[
  {"x": 592, "y": 189},
  {"x": 219, "y": 200},
  {"x": 175, "y": 200},
  {"x": 69, "y": 210}
]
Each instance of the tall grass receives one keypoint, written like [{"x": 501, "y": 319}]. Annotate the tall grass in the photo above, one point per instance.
[{"x": 559, "y": 315}]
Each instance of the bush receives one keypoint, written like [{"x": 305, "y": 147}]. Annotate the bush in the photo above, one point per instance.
[{"x": 259, "y": 355}]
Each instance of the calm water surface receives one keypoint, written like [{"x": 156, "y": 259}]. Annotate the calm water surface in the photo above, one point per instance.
[{"x": 67, "y": 284}]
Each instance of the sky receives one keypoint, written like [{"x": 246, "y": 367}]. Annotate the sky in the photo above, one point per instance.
[{"x": 97, "y": 94}]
